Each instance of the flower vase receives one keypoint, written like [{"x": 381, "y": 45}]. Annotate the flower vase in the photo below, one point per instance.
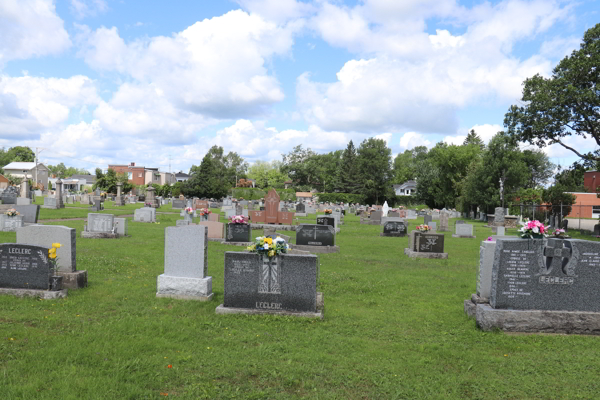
[{"x": 56, "y": 283}]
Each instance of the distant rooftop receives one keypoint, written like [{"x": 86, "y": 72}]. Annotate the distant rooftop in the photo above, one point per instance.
[{"x": 25, "y": 166}]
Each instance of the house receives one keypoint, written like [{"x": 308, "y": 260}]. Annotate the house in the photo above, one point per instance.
[
  {"x": 406, "y": 189},
  {"x": 304, "y": 196},
  {"x": 138, "y": 175},
  {"x": 4, "y": 183},
  {"x": 38, "y": 173},
  {"x": 181, "y": 176}
]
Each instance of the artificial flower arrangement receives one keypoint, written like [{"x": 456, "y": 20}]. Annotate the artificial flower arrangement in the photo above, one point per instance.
[
  {"x": 266, "y": 245},
  {"x": 531, "y": 229},
  {"x": 205, "y": 211},
  {"x": 53, "y": 258},
  {"x": 148, "y": 204},
  {"x": 423, "y": 228},
  {"x": 12, "y": 212},
  {"x": 328, "y": 211},
  {"x": 337, "y": 210},
  {"x": 238, "y": 219},
  {"x": 189, "y": 210},
  {"x": 559, "y": 233},
  {"x": 489, "y": 239}
]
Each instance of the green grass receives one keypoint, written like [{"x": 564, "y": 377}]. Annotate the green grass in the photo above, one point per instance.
[{"x": 394, "y": 328}]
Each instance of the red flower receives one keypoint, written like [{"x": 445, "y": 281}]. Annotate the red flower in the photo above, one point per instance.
[{"x": 169, "y": 366}]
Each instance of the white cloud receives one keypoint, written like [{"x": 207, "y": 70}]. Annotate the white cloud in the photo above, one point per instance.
[
  {"x": 30, "y": 28},
  {"x": 409, "y": 80},
  {"x": 30, "y": 104},
  {"x": 411, "y": 140},
  {"x": 216, "y": 67},
  {"x": 277, "y": 10},
  {"x": 486, "y": 131},
  {"x": 386, "y": 137},
  {"x": 87, "y": 8}
]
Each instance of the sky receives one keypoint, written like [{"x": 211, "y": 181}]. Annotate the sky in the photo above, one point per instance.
[{"x": 97, "y": 82}]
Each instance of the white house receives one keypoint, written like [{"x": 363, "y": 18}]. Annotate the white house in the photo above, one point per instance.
[
  {"x": 28, "y": 170},
  {"x": 406, "y": 189}
]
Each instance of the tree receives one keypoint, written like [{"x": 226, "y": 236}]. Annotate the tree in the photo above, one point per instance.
[
  {"x": 206, "y": 180},
  {"x": 473, "y": 139},
  {"x": 374, "y": 160},
  {"x": 566, "y": 103},
  {"x": 406, "y": 164},
  {"x": 295, "y": 166},
  {"x": 106, "y": 182},
  {"x": 15, "y": 154},
  {"x": 347, "y": 173},
  {"x": 539, "y": 166},
  {"x": 571, "y": 178}
]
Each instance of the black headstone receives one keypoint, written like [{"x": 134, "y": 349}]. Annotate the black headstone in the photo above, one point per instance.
[
  {"x": 429, "y": 243},
  {"x": 300, "y": 208},
  {"x": 326, "y": 221},
  {"x": 24, "y": 266},
  {"x": 238, "y": 233},
  {"x": 284, "y": 283},
  {"x": 394, "y": 228},
  {"x": 597, "y": 230},
  {"x": 315, "y": 235},
  {"x": 565, "y": 224}
]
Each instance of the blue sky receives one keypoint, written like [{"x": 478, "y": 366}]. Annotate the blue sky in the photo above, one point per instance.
[{"x": 93, "y": 82}]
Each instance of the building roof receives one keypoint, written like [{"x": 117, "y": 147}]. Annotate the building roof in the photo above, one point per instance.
[
  {"x": 181, "y": 175},
  {"x": 23, "y": 166},
  {"x": 405, "y": 185},
  {"x": 88, "y": 178},
  {"x": 304, "y": 194}
]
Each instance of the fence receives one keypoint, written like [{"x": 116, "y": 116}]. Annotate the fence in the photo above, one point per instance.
[{"x": 580, "y": 216}]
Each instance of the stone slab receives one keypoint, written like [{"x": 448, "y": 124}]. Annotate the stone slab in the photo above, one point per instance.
[
  {"x": 183, "y": 288},
  {"x": 145, "y": 214},
  {"x": 186, "y": 253},
  {"x": 238, "y": 233},
  {"x": 232, "y": 310},
  {"x": 99, "y": 235},
  {"x": 100, "y": 223},
  {"x": 45, "y": 235},
  {"x": 315, "y": 235},
  {"x": 537, "y": 321},
  {"x": 24, "y": 266},
  {"x": 29, "y": 213},
  {"x": 42, "y": 294},
  {"x": 418, "y": 254},
  {"x": 317, "y": 249}
]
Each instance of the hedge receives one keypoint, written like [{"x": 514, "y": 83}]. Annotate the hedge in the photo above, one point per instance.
[
  {"x": 341, "y": 197},
  {"x": 256, "y": 193}
]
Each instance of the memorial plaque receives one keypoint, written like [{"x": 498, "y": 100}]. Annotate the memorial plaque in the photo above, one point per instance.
[
  {"x": 560, "y": 275},
  {"x": 258, "y": 217},
  {"x": 100, "y": 222},
  {"x": 178, "y": 203},
  {"x": 145, "y": 214},
  {"x": 315, "y": 235},
  {"x": 286, "y": 218},
  {"x": 300, "y": 208},
  {"x": 24, "y": 266},
  {"x": 238, "y": 233},
  {"x": 464, "y": 229},
  {"x": 429, "y": 243},
  {"x": 10, "y": 224},
  {"x": 394, "y": 228},
  {"x": 326, "y": 221},
  {"x": 284, "y": 283}
]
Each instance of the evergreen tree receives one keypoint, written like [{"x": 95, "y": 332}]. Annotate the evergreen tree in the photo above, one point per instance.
[
  {"x": 348, "y": 179},
  {"x": 473, "y": 138}
]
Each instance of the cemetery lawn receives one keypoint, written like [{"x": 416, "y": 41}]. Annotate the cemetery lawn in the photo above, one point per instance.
[{"x": 394, "y": 328}]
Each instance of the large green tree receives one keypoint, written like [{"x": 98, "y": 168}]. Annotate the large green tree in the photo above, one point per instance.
[
  {"x": 567, "y": 103},
  {"x": 296, "y": 167},
  {"x": 348, "y": 181},
  {"x": 406, "y": 164},
  {"x": 374, "y": 160}
]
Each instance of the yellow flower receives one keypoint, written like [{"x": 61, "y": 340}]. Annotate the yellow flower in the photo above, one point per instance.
[
  {"x": 269, "y": 241},
  {"x": 52, "y": 251},
  {"x": 56, "y": 245}
]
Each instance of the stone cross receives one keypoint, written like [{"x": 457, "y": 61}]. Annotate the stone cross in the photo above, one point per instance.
[
  {"x": 269, "y": 276},
  {"x": 557, "y": 255}
]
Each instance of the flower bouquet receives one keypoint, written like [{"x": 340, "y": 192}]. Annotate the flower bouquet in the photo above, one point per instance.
[
  {"x": 266, "y": 245},
  {"x": 148, "y": 204},
  {"x": 205, "y": 211},
  {"x": 328, "y": 211},
  {"x": 559, "y": 234},
  {"x": 12, "y": 212},
  {"x": 423, "y": 228},
  {"x": 238, "y": 219},
  {"x": 533, "y": 230},
  {"x": 53, "y": 258},
  {"x": 189, "y": 210}
]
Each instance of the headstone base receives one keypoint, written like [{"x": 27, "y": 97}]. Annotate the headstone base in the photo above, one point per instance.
[
  {"x": 177, "y": 287},
  {"x": 319, "y": 314},
  {"x": 74, "y": 280},
  {"x": 537, "y": 321},
  {"x": 316, "y": 249},
  {"x": 418, "y": 254},
  {"x": 470, "y": 305},
  {"x": 182, "y": 222},
  {"x": 99, "y": 235},
  {"x": 42, "y": 294},
  {"x": 464, "y": 236},
  {"x": 278, "y": 227},
  {"x": 236, "y": 243},
  {"x": 300, "y": 214}
]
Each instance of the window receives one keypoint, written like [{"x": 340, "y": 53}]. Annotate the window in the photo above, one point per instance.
[
  {"x": 130, "y": 175},
  {"x": 595, "y": 211},
  {"x": 140, "y": 175}
]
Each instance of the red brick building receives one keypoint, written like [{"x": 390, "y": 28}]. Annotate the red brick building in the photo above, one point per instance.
[
  {"x": 591, "y": 180},
  {"x": 136, "y": 175}
]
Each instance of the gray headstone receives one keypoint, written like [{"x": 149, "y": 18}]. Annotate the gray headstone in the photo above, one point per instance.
[
  {"x": 444, "y": 221},
  {"x": 186, "y": 251},
  {"x": 10, "y": 224},
  {"x": 499, "y": 216},
  {"x": 145, "y": 214},
  {"x": 45, "y": 235},
  {"x": 178, "y": 203},
  {"x": 427, "y": 219},
  {"x": 376, "y": 216},
  {"x": 121, "y": 226},
  {"x": 464, "y": 230},
  {"x": 284, "y": 283},
  {"x": 486, "y": 262},
  {"x": 100, "y": 222},
  {"x": 534, "y": 274}
]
